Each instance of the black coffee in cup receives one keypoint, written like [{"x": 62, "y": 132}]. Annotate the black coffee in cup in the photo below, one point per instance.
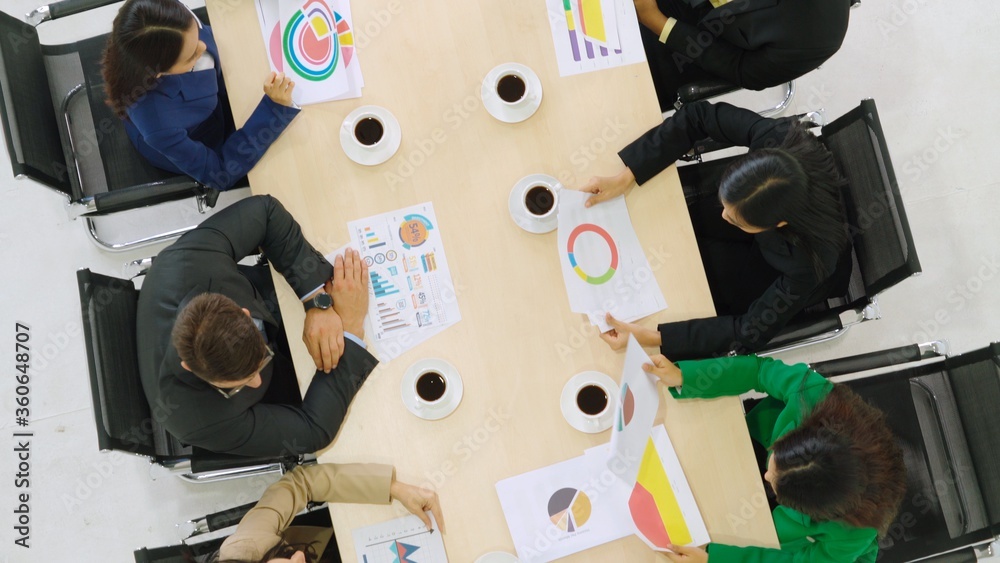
[
  {"x": 431, "y": 386},
  {"x": 368, "y": 131},
  {"x": 511, "y": 88},
  {"x": 592, "y": 399},
  {"x": 539, "y": 200}
]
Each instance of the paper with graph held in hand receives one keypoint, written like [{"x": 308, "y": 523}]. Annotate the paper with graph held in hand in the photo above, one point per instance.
[{"x": 403, "y": 540}]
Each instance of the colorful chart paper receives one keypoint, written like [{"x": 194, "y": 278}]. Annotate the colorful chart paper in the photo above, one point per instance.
[
  {"x": 313, "y": 43},
  {"x": 612, "y": 248},
  {"x": 604, "y": 267},
  {"x": 661, "y": 504},
  {"x": 404, "y": 540},
  {"x": 594, "y": 34},
  {"x": 564, "y": 508},
  {"x": 639, "y": 401},
  {"x": 412, "y": 293}
]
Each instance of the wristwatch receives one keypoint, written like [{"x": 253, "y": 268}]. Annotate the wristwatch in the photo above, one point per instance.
[{"x": 321, "y": 301}]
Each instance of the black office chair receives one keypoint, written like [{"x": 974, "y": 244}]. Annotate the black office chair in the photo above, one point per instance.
[
  {"x": 944, "y": 412},
  {"x": 883, "y": 249},
  {"x": 74, "y": 143},
  {"x": 193, "y": 547},
  {"x": 710, "y": 88},
  {"x": 124, "y": 419}
]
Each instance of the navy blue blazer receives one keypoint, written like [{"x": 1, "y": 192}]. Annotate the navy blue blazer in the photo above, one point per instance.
[{"x": 184, "y": 125}]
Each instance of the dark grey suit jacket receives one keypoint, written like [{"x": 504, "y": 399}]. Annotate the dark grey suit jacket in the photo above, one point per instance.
[
  {"x": 205, "y": 260},
  {"x": 757, "y": 44}
]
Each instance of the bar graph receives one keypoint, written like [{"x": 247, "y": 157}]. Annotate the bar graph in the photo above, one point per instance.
[
  {"x": 382, "y": 286},
  {"x": 372, "y": 239}
]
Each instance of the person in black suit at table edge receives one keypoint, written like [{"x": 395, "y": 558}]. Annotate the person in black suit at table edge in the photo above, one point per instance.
[
  {"x": 754, "y": 44},
  {"x": 772, "y": 231},
  {"x": 213, "y": 354}
]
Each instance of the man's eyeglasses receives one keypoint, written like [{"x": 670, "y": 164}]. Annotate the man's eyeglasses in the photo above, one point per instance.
[{"x": 229, "y": 392}]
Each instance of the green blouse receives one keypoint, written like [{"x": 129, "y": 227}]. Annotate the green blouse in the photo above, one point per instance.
[{"x": 792, "y": 392}]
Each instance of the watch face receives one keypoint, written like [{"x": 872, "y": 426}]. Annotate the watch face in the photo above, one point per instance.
[{"x": 323, "y": 301}]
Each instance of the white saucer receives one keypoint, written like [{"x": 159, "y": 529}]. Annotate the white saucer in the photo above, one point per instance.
[
  {"x": 446, "y": 404},
  {"x": 572, "y": 414},
  {"x": 496, "y": 557},
  {"x": 381, "y": 151},
  {"x": 520, "y": 215},
  {"x": 523, "y": 109}
]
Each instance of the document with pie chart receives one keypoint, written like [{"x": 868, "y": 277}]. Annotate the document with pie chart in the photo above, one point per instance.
[
  {"x": 604, "y": 267},
  {"x": 564, "y": 509},
  {"x": 312, "y": 42},
  {"x": 638, "y": 403}
]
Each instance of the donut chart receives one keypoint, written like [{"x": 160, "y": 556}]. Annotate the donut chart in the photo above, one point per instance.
[
  {"x": 570, "y": 250},
  {"x": 310, "y": 43}
]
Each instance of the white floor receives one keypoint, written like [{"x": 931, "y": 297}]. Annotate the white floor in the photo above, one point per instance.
[{"x": 929, "y": 65}]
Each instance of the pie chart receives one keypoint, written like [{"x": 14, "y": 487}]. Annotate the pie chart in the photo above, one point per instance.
[
  {"x": 627, "y": 407},
  {"x": 569, "y": 509}
]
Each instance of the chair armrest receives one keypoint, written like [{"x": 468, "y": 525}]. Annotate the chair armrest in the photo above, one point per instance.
[
  {"x": 146, "y": 194},
  {"x": 227, "y": 518},
  {"x": 704, "y": 89},
  {"x": 798, "y": 331},
  {"x": 871, "y": 360},
  {"x": 205, "y": 461},
  {"x": 69, "y": 7}
]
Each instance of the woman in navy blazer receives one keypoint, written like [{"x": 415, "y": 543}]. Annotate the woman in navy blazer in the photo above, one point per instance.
[{"x": 163, "y": 78}]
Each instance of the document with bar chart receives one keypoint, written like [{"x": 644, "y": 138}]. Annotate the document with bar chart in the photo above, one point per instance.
[
  {"x": 593, "y": 35},
  {"x": 411, "y": 293},
  {"x": 403, "y": 540}
]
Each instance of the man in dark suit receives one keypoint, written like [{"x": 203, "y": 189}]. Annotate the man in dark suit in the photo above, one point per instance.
[
  {"x": 754, "y": 44},
  {"x": 212, "y": 345}
]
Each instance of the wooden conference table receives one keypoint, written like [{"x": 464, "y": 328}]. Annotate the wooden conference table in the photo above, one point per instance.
[{"x": 518, "y": 343}]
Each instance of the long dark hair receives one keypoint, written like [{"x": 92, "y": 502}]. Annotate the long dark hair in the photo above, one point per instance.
[
  {"x": 146, "y": 39},
  {"x": 797, "y": 182},
  {"x": 842, "y": 463},
  {"x": 281, "y": 550}
]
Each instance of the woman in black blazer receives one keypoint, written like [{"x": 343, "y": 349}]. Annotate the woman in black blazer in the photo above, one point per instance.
[{"x": 772, "y": 232}]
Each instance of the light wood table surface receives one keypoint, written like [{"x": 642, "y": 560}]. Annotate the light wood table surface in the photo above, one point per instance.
[{"x": 518, "y": 343}]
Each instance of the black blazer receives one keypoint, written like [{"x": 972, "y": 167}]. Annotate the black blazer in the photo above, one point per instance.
[
  {"x": 204, "y": 260},
  {"x": 757, "y": 44},
  {"x": 796, "y": 288}
]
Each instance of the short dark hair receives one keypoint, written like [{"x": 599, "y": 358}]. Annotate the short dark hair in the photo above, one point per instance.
[
  {"x": 217, "y": 340},
  {"x": 842, "y": 463}
]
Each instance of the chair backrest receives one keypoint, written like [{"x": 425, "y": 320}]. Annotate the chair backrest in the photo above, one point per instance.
[
  {"x": 975, "y": 381},
  {"x": 124, "y": 420},
  {"x": 948, "y": 431},
  {"x": 883, "y": 243},
  {"x": 29, "y": 119}
]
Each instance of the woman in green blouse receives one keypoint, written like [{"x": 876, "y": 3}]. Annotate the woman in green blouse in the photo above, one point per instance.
[{"x": 834, "y": 465}]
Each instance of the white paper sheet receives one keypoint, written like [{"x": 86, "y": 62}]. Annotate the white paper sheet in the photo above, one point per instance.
[
  {"x": 334, "y": 22},
  {"x": 576, "y": 26},
  {"x": 411, "y": 294},
  {"x": 638, "y": 402},
  {"x": 563, "y": 509},
  {"x": 403, "y": 540},
  {"x": 604, "y": 267}
]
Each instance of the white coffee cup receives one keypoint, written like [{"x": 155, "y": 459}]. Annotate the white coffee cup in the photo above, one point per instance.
[
  {"x": 539, "y": 196},
  {"x": 589, "y": 396},
  {"x": 430, "y": 387},
  {"x": 515, "y": 80},
  {"x": 368, "y": 130}
]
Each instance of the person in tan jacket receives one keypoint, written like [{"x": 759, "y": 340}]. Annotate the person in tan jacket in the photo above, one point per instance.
[{"x": 264, "y": 534}]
